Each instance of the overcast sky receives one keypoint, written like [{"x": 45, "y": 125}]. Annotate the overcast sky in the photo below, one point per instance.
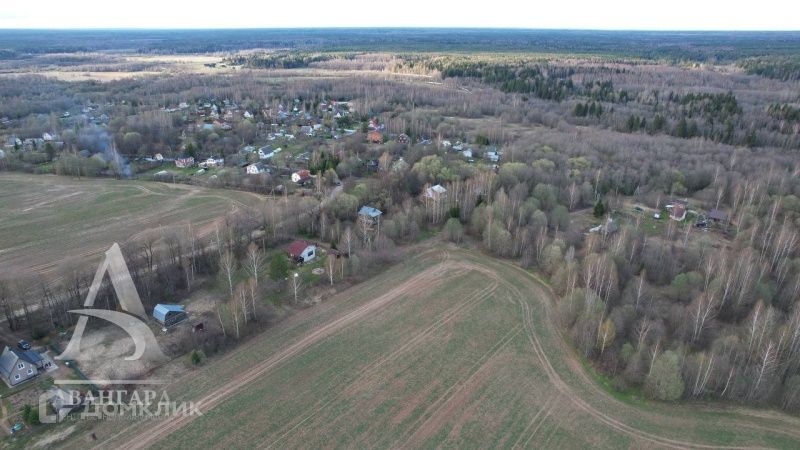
[{"x": 583, "y": 14}]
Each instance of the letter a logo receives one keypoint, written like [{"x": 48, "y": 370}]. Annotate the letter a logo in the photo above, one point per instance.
[{"x": 132, "y": 320}]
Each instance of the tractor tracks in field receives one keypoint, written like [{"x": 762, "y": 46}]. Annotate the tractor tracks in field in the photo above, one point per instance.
[
  {"x": 160, "y": 430},
  {"x": 429, "y": 421},
  {"x": 368, "y": 373},
  {"x": 544, "y": 413}
]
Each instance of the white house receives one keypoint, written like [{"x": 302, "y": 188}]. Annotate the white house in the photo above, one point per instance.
[
  {"x": 212, "y": 162},
  {"x": 257, "y": 168}
]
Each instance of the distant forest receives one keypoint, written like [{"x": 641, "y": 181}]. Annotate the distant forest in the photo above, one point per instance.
[{"x": 671, "y": 46}]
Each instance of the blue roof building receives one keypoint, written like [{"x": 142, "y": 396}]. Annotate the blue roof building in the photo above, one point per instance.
[
  {"x": 370, "y": 211},
  {"x": 169, "y": 314}
]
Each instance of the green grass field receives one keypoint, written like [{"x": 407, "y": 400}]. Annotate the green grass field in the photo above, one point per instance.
[
  {"x": 51, "y": 224},
  {"x": 448, "y": 349}
]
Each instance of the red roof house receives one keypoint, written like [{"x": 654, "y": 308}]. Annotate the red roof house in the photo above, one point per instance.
[{"x": 301, "y": 251}]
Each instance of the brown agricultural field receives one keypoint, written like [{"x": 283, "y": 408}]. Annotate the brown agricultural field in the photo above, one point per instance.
[{"x": 50, "y": 223}]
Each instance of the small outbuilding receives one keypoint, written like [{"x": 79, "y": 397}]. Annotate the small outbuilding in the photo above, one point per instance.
[
  {"x": 169, "y": 314},
  {"x": 436, "y": 192},
  {"x": 717, "y": 215}
]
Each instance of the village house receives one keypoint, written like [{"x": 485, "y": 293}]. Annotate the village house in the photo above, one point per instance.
[
  {"x": 17, "y": 366},
  {"x": 301, "y": 251},
  {"x": 211, "y": 163},
  {"x": 301, "y": 176},
  {"x": 677, "y": 211},
  {"x": 375, "y": 137},
  {"x": 267, "y": 152},
  {"x": 257, "y": 168},
  {"x": 183, "y": 163},
  {"x": 370, "y": 214}
]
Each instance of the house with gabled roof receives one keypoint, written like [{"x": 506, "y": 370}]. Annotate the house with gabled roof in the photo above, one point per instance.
[
  {"x": 370, "y": 213},
  {"x": 257, "y": 168},
  {"x": 301, "y": 251},
  {"x": 16, "y": 367},
  {"x": 301, "y": 176}
]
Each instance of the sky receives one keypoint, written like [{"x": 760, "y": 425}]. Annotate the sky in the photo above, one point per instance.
[{"x": 574, "y": 14}]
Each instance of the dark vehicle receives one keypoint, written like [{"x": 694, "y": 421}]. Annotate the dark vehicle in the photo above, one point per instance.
[{"x": 24, "y": 345}]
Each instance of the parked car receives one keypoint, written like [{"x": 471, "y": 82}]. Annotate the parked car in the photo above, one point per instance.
[
  {"x": 24, "y": 345},
  {"x": 17, "y": 427}
]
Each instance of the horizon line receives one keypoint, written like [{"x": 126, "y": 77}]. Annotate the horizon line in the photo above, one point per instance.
[{"x": 407, "y": 27}]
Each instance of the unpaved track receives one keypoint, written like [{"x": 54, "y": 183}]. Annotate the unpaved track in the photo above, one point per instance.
[
  {"x": 437, "y": 413},
  {"x": 567, "y": 391}
]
